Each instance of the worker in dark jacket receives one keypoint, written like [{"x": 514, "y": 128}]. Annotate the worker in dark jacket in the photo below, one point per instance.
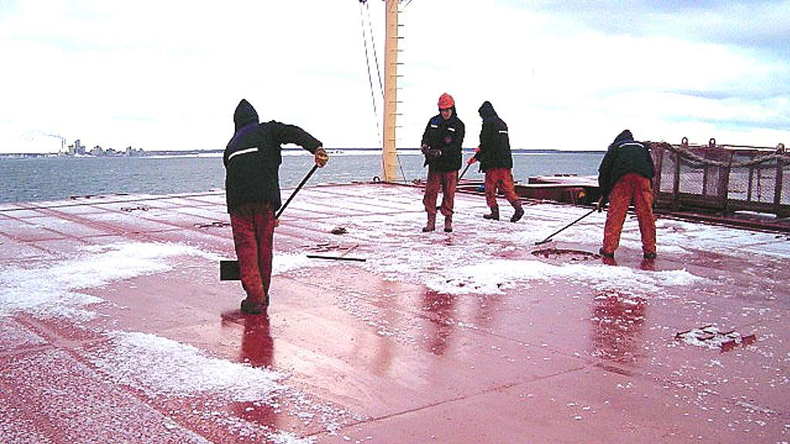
[
  {"x": 625, "y": 176},
  {"x": 441, "y": 145},
  {"x": 252, "y": 162},
  {"x": 496, "y": 162}
]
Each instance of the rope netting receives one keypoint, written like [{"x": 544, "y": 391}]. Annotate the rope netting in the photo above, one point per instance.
[
  {"x": 687, "y": 153},
  {"x": 719, "y": 177}
]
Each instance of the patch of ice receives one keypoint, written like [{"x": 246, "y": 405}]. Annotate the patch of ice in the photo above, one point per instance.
[
  {"x": 724, "y": 240},
  {"x": 160, "y": 366},
  {"x": 13, "y": 334},
  {"x": 494, "y": 276},
  {"x": 284, "y": 263},
  {"x": 52, "y": 289},
  {"x": 289, "y": 438},
  {"x": 404, "y": 253}
]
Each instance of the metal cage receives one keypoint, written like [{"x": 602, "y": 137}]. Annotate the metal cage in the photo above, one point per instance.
[{"x": 722, "y": 178}]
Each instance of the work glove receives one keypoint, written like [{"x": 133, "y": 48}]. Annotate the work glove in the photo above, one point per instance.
[
  {"x": 321, "y": 157},
  {"x": 431, "y": 153}
]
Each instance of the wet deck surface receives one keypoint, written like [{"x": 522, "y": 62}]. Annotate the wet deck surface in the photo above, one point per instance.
[{"x": 114, "y": 327}]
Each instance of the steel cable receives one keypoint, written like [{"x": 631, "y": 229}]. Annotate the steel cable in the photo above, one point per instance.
[{"x": 370, "y": 79}]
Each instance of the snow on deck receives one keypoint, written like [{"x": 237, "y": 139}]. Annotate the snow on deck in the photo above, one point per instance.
[{"x": 114, "y": 326}]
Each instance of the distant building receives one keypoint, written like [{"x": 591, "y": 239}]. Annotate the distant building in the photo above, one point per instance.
[
  {"x": 134, "y": 152},
  {"x": 77, "y": 149}
]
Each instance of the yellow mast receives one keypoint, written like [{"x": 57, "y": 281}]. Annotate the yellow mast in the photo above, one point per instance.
[{"x": 389, "y": 155}]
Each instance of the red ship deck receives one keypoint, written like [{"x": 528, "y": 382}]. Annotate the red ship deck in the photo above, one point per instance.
[{"x": 114, "y": 327}]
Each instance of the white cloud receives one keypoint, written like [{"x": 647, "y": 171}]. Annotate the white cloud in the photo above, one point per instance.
[{"x": 168, "y": 76}]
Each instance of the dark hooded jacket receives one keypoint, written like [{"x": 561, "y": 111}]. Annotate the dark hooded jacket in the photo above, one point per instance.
[
  {"x": 624, "y": 156},
  {"x": 253, "y": 156},
  {"x": 444, "y": 139},
  {"x": 494, "y": 140}
]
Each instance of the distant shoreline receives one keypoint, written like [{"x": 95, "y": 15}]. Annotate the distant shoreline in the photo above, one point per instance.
[{"x": 219, "y": 152}]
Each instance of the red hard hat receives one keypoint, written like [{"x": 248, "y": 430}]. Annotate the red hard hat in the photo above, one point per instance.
[{"x": 446, "y": 101}]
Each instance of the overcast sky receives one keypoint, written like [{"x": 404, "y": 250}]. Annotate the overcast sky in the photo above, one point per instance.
[{"x": 563, "y": 74}]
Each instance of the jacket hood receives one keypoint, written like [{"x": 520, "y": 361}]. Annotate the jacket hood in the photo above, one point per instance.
[
  {"x": 486, "y": 110},
  {"x": 244, "y": 115},
  {"x": 623, "y": 137}
]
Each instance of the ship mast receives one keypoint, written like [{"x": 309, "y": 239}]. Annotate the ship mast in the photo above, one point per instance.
[{"x": 389, "y": 154}]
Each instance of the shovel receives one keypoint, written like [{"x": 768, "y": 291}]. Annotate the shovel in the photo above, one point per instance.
[
  {"x": 229, "y": 270},
  {"x": 566, "y": 226}
]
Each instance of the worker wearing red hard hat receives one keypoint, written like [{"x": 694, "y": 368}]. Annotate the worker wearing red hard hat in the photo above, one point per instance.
[{"x": 441, "y": 145}]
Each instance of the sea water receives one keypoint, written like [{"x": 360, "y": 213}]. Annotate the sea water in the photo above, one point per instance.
[{"x": 28, "y": 179}]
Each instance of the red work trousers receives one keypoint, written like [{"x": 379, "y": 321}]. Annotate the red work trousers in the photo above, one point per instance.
[
  {"x": 253, "y": 236},
  {"x": 636, "y": 188},
  {"x": 499, "y": 179},
  {"x": 447, "y": 181}
]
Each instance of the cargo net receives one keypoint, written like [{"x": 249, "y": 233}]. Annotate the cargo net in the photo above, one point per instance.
[{"x": 722, "y": 177}]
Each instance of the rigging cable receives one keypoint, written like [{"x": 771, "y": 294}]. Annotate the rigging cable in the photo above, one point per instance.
[
  {"x": 367, "y": 60},
  {"x": 375, "y": 52}
]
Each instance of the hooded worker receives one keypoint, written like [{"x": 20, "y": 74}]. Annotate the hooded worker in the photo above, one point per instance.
[
  {"x": 496, "y": 161},
  {"x": 252, "y": 161},
  {"x": 441, "y": 145},
  {"x": 625, "y": 176}
]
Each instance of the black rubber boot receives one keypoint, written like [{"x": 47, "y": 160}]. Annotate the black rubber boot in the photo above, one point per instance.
[
  {"x": 519, "y": 212},
  {"x": 494, "y": 214},
  {"x": 603, "y": 253},
  {"x": 251, "y": 307},
  {"x": 448, "y": 224},
  {"x": 431, "y": 224}
]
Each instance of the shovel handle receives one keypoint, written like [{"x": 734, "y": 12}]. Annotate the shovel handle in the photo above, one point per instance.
[
  {"x": 462, "y": 174},
  {"x": 299, "y": 187},
  {"x": 566, "y": 226}
]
